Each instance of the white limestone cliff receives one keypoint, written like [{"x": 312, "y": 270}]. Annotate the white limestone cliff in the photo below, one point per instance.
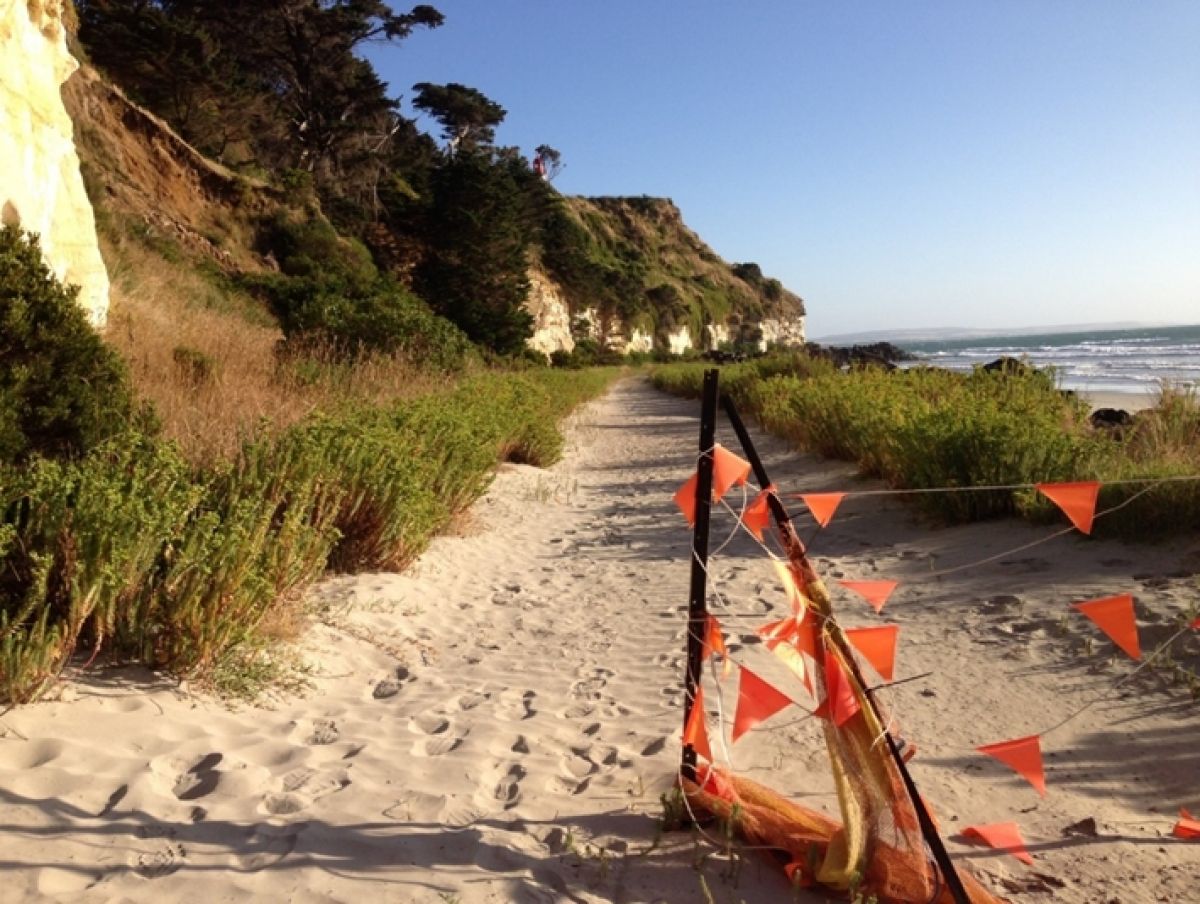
[
  {"x": 551, "y": 316},
  {"x": 41, "y": 189},
  {"x": 785, "y": 332}
]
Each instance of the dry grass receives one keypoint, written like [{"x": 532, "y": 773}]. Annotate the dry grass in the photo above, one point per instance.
[{"x": 165, "y": 317}]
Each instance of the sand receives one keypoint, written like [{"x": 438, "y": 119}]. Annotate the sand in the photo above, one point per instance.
[
  {"x": 497, "y": 724},
  {"x": 1124, "y": 401}
]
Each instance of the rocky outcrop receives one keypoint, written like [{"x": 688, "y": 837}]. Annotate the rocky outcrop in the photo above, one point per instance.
[
  {"x": 41, "y": 189},
  {"x": 781, "y": 331},
  {"x": 551, "y": 316},
  {"x": 627, "y": 273}
]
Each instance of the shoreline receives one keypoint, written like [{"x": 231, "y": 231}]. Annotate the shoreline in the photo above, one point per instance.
[{"x": 1132, "y": 402}]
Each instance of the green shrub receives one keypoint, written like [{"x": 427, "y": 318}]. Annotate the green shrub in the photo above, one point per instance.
[
  {"x": 127, "y": 551},
  {"x": 193, "y": 366},
  {"x": 62, "y": 390},
  {"x": 88, "y": 533}
]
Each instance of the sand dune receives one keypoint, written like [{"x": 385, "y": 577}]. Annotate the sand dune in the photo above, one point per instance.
[{"x": 498, "y": 723}]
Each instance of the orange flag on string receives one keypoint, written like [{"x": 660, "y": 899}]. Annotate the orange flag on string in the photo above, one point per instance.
[
  {"x": 714, "y": 642},
  {"x": 792, "y": 659},
  {"x": 1114, "y": 616},
  {"x": 695, "y": 732},
  {"x": 728, "y": 471},
  {"x": 757, "y": 702},
  {"x": 757, "y": 516},
  {"x": 874, "y": 592},
  {"x": 1195, "y": 626},
  {"x": 1002, "y": 836},
  {"x": 1024, "y": 756},
  {"x": 841, "y": 702},
  {"x": 717, "y": 783},
  {"x": 822, "y": 505},
  {"x": 878, "y": 647},
  {"x": 1077, "y": 501},
  {"x": 800, "y": 633},
  {"x": 685, "y": 498},
  {"x": 1187, "y": 827}
]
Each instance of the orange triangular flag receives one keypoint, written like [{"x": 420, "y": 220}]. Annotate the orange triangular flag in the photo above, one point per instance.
[
  {"x": 841, "y": 701},
  {"x": 695, "y": 732},
  {"x": 758, "y": 514},
  {"x": 878, "y": 647},
  {"x": 1187, "y": 827},
  {"x": 792, "y": 659},
  {"x": 1077, "y": 500},
  {"x": 685, "y": 498},
  {"x": 800, "y": 633},
  {"x": 822, "y": 505},
  {"x": 1114, "y": 616},
  {"x": 874, "y": 592},
  {"x": 1003, "y": 836},
  {"x": 1024, "y": 755},
  {"x": 714, "y": 642},
  {"x": 1195, "y": 626},
  {"x": 757, "y": 702},
  {"x": 717, "y": 783},
  {"x": 728, "y": 470}
]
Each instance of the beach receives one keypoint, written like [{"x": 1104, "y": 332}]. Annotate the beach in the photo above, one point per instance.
[
  {"x": 498, "y": 723},
  {"x": 1132, "y": 401}
]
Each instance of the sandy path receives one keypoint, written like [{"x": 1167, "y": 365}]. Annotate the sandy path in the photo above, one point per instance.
[{"x": 498, "y": 723}]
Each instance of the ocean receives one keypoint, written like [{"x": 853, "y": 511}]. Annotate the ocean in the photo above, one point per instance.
[{"x": 1125, "y": 361}]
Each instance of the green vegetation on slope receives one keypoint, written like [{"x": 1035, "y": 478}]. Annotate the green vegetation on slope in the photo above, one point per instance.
[
  {"x": 296, "y": 119},
  {"x": 635, "y": 261},
  {"x": 926, "y": 427},
  {"x": 117, "y": 544}
]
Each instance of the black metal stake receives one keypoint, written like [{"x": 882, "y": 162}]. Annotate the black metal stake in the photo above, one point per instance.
[
  {"x": 697, "y": 598},
  {"x": 932, "y": 838}
]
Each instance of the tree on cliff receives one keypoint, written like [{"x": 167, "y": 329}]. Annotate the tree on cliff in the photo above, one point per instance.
[
  {"x": 476, "y": 270},
  {"x": 468, "y": 116},
  {"x": 281, "y": 79}
]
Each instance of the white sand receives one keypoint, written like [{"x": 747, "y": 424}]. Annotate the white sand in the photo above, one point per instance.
[
  {"x": 496, "y": 725},
  {"x": 1126, "y": 401}
]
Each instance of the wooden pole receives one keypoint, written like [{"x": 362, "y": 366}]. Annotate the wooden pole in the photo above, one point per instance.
[
  {"x": 796, "y": 553},
  {"x": 697, "y": 598}
]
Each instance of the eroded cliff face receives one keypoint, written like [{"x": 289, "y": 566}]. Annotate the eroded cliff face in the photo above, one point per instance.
[{"x": 41, "y": 189}]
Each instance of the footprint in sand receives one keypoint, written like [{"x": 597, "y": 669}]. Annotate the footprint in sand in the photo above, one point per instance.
[
  {"x": 283, "y": 804},
  {"x": 655, "y": 747},
  {"x": 162, "y": 861},
  {"x": 520, "y": 745},
  {"x": 302, "y": 787},
  {"x": 473, "y": 699},
  {"x": 196, "y": 778},
  {"x": 437, "y": 746},
  {"x": 265, "y": 846},
  {"x": 672, "y": 696},
  {"x": 516, "y": 706},
  {"x": 561, "y": 784},
  {"x": 578, "y": 766},
  {"x": 430, "y": 723},
  {"x": 389, "y": 685},
  {"x": 505, "y": 784},
  {"x": 588, "y": 689},
  {"x": 316, "y": 732},
  {"x": 578, "y": 711}
]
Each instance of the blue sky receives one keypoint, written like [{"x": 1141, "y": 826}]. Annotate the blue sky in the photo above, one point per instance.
[{"x": 976, "y": 163}]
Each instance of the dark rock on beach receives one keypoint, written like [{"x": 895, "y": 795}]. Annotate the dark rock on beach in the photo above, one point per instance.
[{"x": 876, "y": 354}]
